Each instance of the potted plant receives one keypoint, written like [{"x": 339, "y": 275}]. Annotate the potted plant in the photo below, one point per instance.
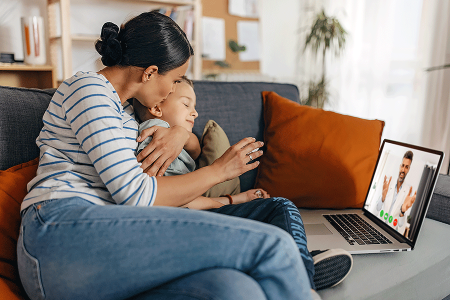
[
  {"x": 236, "y": 48},
  {"x": 326, "y": 35}
]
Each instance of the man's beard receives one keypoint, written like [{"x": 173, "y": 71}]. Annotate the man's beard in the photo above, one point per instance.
[{"x": 401, "y": 179}]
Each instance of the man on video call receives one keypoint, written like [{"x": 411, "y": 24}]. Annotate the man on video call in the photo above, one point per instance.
[{"x": 397, "y": 199}]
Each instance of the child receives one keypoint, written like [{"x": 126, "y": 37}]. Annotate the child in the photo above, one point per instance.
[{"x": 179, "y": 110}]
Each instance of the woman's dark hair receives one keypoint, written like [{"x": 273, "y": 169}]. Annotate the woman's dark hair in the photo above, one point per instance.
[{"x": 148, "y": 39}]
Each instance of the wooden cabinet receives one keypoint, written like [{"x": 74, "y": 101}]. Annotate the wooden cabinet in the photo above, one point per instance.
[
  {"x": 61, "y": 38},
  {"x": 20, "y": 75}
]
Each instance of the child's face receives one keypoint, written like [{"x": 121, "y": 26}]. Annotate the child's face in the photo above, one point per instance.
[{"x": 179, "y": 107}]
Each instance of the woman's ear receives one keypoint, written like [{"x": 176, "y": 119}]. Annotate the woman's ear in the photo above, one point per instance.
[
  {"x": 156, "y": 111},
  {"x": 147, "y": 74}
]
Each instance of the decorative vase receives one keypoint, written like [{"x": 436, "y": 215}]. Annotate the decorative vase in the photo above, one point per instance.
[{"x": 33, "y": 40}]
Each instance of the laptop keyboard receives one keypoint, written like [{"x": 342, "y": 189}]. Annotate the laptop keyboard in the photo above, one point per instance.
[{"x": 356, "y": 230}]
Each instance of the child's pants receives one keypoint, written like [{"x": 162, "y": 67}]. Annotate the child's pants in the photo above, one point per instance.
[{"x": 280, "y": 212}]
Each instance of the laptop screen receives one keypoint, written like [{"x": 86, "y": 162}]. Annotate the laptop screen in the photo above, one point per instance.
[{"x": 402, "y": 186}]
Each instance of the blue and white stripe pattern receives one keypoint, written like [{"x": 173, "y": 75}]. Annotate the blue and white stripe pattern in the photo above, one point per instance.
[{"x": 87, "y": 147}]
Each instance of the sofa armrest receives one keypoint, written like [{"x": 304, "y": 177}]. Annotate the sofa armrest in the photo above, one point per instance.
[{"x": 439, "y": 209}]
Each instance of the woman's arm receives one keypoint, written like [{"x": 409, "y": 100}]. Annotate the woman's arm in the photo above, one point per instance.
[{"x": 165, "y": 147}]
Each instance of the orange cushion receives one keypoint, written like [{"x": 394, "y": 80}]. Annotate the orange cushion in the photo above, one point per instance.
[
  {"x": 316, "y": 158},
  {"x": 13, "y": 188}
]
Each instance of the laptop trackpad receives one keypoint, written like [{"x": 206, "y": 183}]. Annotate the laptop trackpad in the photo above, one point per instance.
[{"x": 317, "y": 229}]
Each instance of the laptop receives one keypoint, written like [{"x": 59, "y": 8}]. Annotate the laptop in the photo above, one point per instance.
[{"x": 391, "y": 217}]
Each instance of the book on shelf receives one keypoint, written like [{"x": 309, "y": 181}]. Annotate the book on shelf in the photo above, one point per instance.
[{"x": 183, "y": 16}]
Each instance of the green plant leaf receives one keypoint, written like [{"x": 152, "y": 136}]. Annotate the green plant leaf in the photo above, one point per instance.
[
  {"x": 222, "y": 64},
  {"x": 235, "y": 47}
]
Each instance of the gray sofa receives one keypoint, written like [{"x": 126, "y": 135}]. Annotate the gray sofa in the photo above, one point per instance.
[{"x": 237, "y": 107}]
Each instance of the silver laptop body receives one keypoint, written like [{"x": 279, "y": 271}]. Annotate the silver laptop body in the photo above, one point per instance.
[{"x": 388, "y": 228}]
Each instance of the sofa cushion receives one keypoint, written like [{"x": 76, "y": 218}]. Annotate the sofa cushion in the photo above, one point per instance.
[
  {"x": 317, "y": 158},
  {"x": 439, "y": 208},
  {"x": 13, "y": 188},
  {"x": 21, "y": 112},
  {"x": 214, "y": 143},
  {"x": 238, "y": 108}
]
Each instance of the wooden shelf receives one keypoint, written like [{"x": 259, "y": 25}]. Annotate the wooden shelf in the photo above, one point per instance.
[
  {"x": 159, "y": 2},
  {"x": 165, "y": 2},
  {"x": 28, "y": 76},
  {"x": 78, "y": 37},
  {"x": 90, "y": 38},
  {"x": 64, "y": 41}
]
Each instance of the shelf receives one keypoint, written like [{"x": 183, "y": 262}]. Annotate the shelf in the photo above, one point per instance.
[
  {"x": 61, "y": 44},
  {"x": 23, "y": 67},
  {"x": 78, "y": 37},
  {"x": 157, "y": 2},
  {"x": 28, "y": 76},
  {"x": 88, "y": 38},
  {"x": 166, "y": 2}
]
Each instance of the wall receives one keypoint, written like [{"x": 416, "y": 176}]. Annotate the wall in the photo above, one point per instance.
[
  {"x": 10, "y": 13},
  {"x": 279, "y": 51},
  {"x": 279, "y": 25},
  {"x": 377, "y": 76}
]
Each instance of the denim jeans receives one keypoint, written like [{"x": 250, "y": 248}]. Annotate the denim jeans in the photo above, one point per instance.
[
  {"x": 280, "y": 212},
  {"x": 73, "y": 249}
]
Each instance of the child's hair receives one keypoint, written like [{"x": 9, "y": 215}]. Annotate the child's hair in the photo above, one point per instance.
[
  {"x": 149, "y": 39},
  {"x": 187, "y": 80}
]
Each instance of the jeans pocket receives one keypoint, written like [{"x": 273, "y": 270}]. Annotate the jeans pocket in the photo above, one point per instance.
[{"x": 29, "y": 271}]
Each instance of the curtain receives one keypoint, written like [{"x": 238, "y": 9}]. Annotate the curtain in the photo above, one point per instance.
[
  {"x": 435, "y": 87},
  {"x": 375, "y": 77},
  {"x": 382, "y": 73}
]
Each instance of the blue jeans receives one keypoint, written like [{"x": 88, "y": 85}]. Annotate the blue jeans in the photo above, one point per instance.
[
  {"x": 280, "y": 212},
  {"x": 70, "y": 248}
]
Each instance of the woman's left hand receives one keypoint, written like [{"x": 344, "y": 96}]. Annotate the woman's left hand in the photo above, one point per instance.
[
  {"x": 250, "y": 195},
  {"x": 164, "y": 147}
]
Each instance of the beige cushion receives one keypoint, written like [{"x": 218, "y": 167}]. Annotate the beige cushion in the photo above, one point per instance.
[{"x": 214, "y": 143}]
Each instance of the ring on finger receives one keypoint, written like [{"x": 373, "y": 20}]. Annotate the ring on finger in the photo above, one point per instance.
[
  {"x": 250, "y": 156},
  {"x": 258, "y": 193}
]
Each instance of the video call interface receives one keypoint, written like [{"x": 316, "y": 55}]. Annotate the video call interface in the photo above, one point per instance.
[{"x": 399, "y": 189}]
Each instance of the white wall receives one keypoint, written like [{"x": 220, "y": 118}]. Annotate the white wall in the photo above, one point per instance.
[
  {"x": 368, "y": 81},
  {"x": 279, "y": 25},
  {"x": 10, "y": 13}
]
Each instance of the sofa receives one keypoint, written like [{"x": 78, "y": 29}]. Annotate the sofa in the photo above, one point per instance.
[{"x": 423, "y": 273}]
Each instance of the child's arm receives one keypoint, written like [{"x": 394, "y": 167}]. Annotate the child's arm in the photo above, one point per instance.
[
  {"x": 204, "y": 203},
  {"x": 207, "y": 203},
  {"x": 192, "y": 146}
]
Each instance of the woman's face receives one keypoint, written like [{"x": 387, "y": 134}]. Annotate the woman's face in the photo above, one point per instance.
[{"x": 158, "y": 87}]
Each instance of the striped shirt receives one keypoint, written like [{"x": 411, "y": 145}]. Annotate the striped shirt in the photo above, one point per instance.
[{"x": 87, "y": 147}]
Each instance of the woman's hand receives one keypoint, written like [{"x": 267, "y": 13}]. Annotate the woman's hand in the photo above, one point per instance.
[
  {"x": 235, "y": 161},
  {"x": 249, "y": 196},
  {"x": 165, "y": 146}
]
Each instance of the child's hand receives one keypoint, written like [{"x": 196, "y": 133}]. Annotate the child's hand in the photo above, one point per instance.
[
  {"x": 235, "y": 161},
  {"x": 249, "y": 196}
]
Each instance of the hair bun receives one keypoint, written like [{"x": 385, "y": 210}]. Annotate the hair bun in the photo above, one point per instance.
[{"x": 108, "y": 46}]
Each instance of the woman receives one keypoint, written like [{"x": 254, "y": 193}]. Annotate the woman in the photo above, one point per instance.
[{"x": 92, "y": 222}]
